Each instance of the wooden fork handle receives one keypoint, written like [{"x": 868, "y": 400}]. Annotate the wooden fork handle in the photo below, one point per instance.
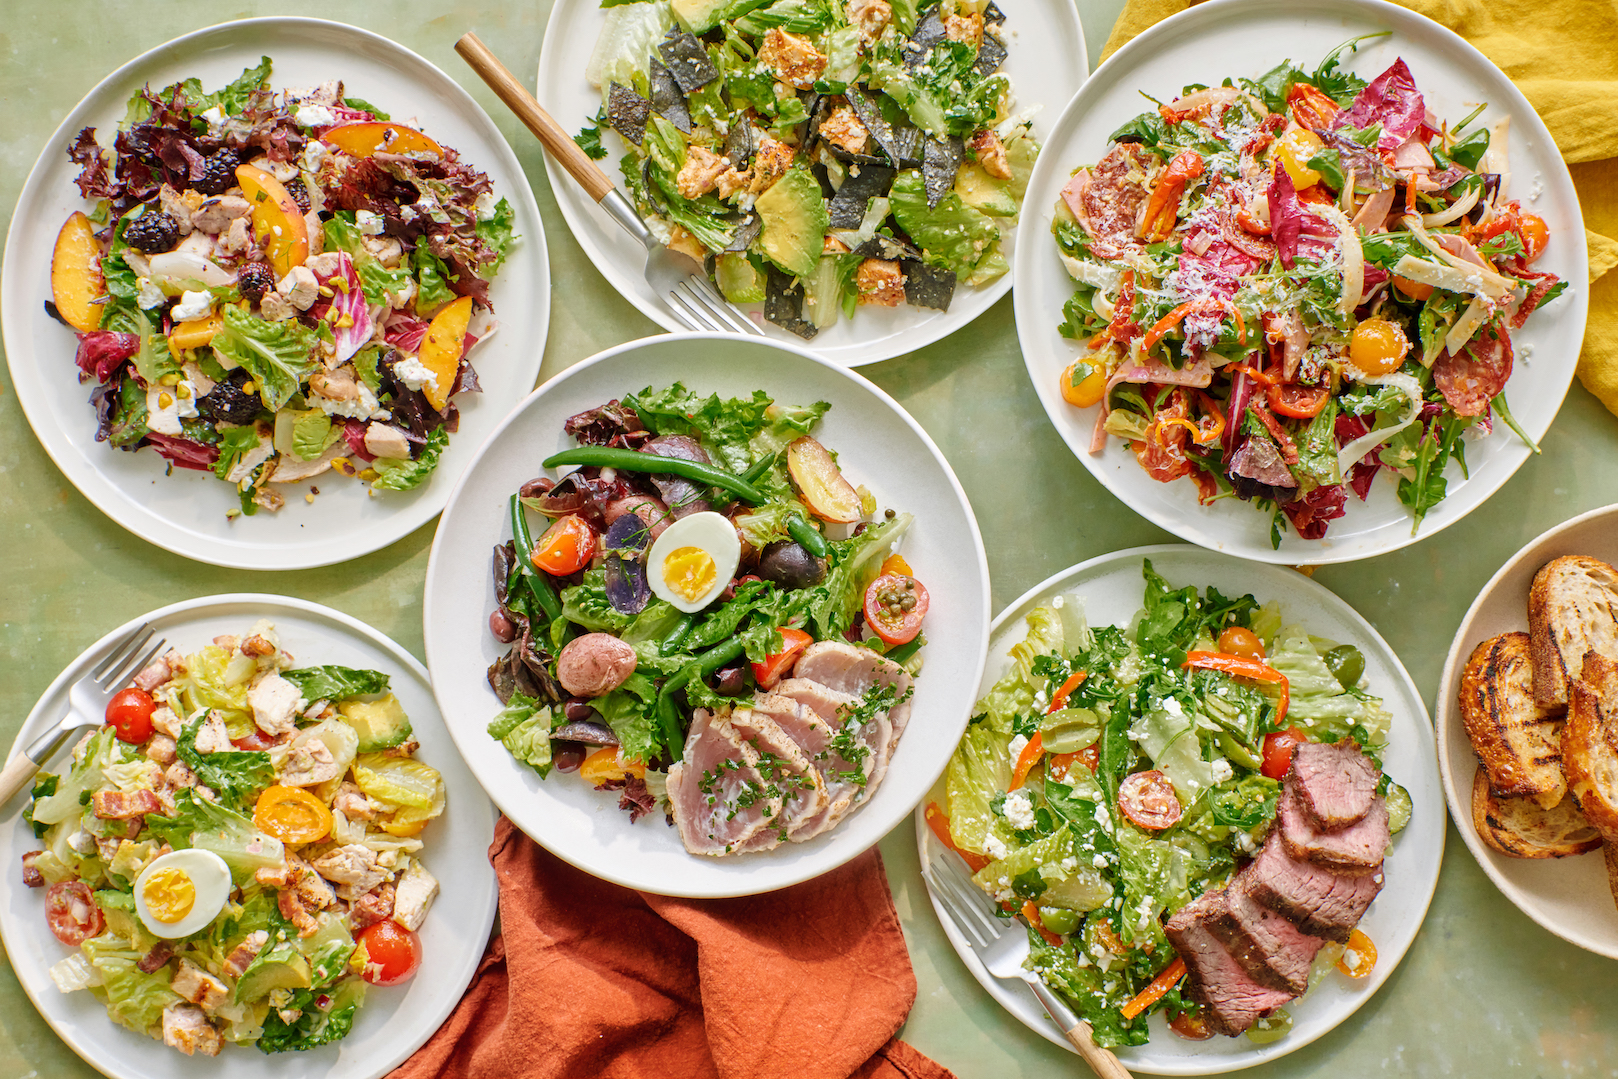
[
  {"x": 1101, "y": 1061},
  {"x": 15, "y": 776},
  {"x": 548, "y": 131}
]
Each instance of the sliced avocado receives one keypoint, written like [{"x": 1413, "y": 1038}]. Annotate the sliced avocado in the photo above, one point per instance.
[
  {"x": 698, "y": 16},
  {"x": 985, "y": 193},
  {"x": 280, "y": 967},
  {"x": 739, "y": 280},
  {"x": 793, "y": 212},
  {"x": 380, "y": 723}
]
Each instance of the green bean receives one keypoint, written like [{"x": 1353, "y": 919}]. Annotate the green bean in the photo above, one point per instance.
[
  {"x": 676, "y": 637},
  {"x": 524, "y": 542},
  {"x": 705, "y": 664},
  {"x": 807, "y": 535},
  {"x": 760, "y": 467},
  {"x": 906, "y": 650},
  {"x": 632, "y": 461}
]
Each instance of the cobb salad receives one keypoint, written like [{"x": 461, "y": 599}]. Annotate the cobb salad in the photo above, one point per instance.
[
  {"x": 1186, "y": 812},
  {"x": 713, "y": 621},
  {"x": 1287, "y": 284},
  {"x": 274, "y": 285},
  {"x": 234, "y": 856},
  {"x": 818, "y": 155}
]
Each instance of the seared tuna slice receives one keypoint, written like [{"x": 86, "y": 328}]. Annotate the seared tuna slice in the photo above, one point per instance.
[
  {"x": 849, "y": 669},
  {"x": 1336, "y": 784},
  {"x": 1315, "y": 899},
  {"x": 1231, "y": 1000},
  {"x": 717, "y": 794},
  {"x": 786, "y": 770},
  {"x": 1357, "y": 849}
]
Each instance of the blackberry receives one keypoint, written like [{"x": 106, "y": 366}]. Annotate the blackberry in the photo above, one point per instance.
[
  {"x": 299, "y": 193},
  {"x": 152, "y": 231},
  {"x": 227, "y": 402},
  {"x": 218, "y": 173},
  {"x": 254, "y": 280}
]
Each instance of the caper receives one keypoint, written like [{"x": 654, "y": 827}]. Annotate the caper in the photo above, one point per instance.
[{"x": 1346, "y": 664}]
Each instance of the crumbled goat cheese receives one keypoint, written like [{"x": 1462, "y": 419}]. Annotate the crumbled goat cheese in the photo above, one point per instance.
[
  {"x": 1019, "y": 810},
  {"x": 414, "y": 374},
  {"x": 314, "y": 116},
  {"x": 368, "y": 223},
  {"x": 193, "y": 305},
  {"x": 215, "y": 118},
  {"x": 1018, "y": 743},
  {"x": 1221, "y": 770},
  {"x": 485, "y": 205},
  {"x": 149, "y": 295},
  {"x": 314, "y": 156}
]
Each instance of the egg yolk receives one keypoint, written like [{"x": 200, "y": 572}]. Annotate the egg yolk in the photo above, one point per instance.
[
  {"x": 169, "y": 894},
  {"x": 689, "y": 572}
]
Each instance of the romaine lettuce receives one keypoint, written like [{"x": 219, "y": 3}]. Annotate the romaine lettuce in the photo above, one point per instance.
[
  {"x": 235, "y": 775},
  {"x": 134, "y": 999},
  {"x": 978, "y": 771},
  {"x": 200, "y": 823},
  {"x": 335, "y": 683},
  {"x": 83, "y": 779},
  {"x": 279, "y": 355},
  {"x": 523, "y": 726},
  {"x": 403, "y": 473}
]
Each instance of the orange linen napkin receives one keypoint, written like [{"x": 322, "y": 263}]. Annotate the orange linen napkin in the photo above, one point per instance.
[{"x": 592, "y": 979}]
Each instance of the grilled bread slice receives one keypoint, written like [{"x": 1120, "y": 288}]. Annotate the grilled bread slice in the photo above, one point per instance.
[
  {"x": 1572, "y": 609},
  {"x": 1518, "y": 740},
  {"x": 1590, "y": 743},
  {"x": 1521, "y": 828}
]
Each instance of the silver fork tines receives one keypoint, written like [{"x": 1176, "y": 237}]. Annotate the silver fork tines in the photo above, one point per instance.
[
  {"x": 89, "y": 696},
  {"x": 965, "y": 901},
  {"x": 701, "y": 305}
]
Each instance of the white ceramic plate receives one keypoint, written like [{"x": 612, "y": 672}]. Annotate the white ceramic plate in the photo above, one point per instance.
[
  {"x": 1110, "y": 588},
  {"x": 185, "y": 512},
  {"x": 1223, "y": 38},
  {"x": 1047, "y": 61},
  {"x": 393, "y": 1022},
  {"x": 1568, "y": 896},
  {"x": 878, "y": 445}
]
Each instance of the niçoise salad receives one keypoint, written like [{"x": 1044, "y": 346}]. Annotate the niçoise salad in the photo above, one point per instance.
[
  {"x": 698, "y": 547},
  {"x": 817, "y": 155},
  {"x": 235, "y": 855},
  {"x": 1115, "y": 773},
  {"x": 271, "y": 286}
]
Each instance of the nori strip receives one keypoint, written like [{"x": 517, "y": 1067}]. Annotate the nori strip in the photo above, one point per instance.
[
  {"x": 907, "y": 142},
  {"x": 940, "y": 159},
  {"x": 628, "y": 112},
  {"x": 992, "y": 15},
  {"x": 667, "y": 100},
  {"x": 783, "y": 303},
  {"x": 883, "y": 246},
  {"x": 847, "y": 208},
  {"x": 929, "y": 32},
  {"x": 990, "y": 55},
  {"x": 747, "y": 230},
  {"x": 871, "y": 116},
  {"x": 687, "y": 61},
  {"x": 739, "y": 144},
  {"x": 654, "y": 194},
  {"x": 928, "y": 286}
]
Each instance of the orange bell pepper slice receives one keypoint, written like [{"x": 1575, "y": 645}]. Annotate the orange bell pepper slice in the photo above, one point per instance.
[
  {"x": 1154, "y": 992},
  {"x": 938, "y": 821},
  {"x": 1243, "y": 667}
]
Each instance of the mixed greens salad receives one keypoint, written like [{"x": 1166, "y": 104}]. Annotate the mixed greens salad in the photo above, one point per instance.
[
  {"x": 816, "y": 155},
  {"x": 1288, "y": 283},
  {"x": 696, "y": 548},
  {"x": 235, "y": 855},
  {"x": 1114, "y": 773},
  {"x": 271, "y": 286}
]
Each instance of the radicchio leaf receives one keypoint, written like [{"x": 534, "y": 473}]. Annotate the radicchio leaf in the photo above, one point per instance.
[
  {"x": 1392, "y": 100},
  {"x": 1310, "y": 514},
  {"x": 349, "y": 301},
  {"x": 184, "y": 452},
  {"x": 103, "y": 353},
  {"x": 1295, "y": 229}
]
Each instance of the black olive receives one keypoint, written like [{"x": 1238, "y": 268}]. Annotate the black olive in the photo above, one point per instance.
[
  {"x": 790, "y": 565},
  {"x": 228, "y": 402},
  {"x": 567, "y": 756},
  {"x": 578, "y": 710},
  {"x": 731, "y": 682}
]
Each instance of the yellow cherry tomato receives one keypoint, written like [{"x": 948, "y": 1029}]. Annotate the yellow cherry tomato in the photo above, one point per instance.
[
  {"x": 1359, "y": 958},
  {"x": 292, "y": 815},
  {"x": 1239, "y": 641},
  {"x": 1378, "y": 346},
  {"x": 1294, "y": 149},
  {"x": 1082, "y": 390},
  {"x": 895, "y": 564}
]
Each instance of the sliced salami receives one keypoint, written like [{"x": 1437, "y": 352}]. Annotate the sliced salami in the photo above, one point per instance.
[{"x": 1480, "y": 372}]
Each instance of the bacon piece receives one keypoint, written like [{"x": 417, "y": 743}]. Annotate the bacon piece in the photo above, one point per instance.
[
  {"x": 372, "y": 907},
  {"x": 31, "y": 875},
  {"x": 119, "y": 805},
  {"x": 244, "y": 953},
  {"x": 160, "y": 954},
  {"x": 293, "y": 910}
]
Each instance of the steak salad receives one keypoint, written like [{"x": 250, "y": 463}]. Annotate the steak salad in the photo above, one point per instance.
[
  {"x": 714, "y": 621},
  {"x": 1187, "y": 812}
]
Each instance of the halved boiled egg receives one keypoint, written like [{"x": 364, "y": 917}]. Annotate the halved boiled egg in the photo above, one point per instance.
[
  {"x": 693, "y": 560},
  {"x": 181, "y": 892}
]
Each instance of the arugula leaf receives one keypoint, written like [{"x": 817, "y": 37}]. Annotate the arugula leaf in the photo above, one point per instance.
[
  {"x": 331, "y": 683},
  {"x": 1149, "y": 129},
  {"x": 1428, "y": 487},
  {"x": 1338, "y": 84},
  {"x": 1317, "y": 449},
  {"x": 1503, "y": 246},
  {"x": 1329, "y": 163},
  {"x": 1386, "y": 248},
  {"x": 401, "y": 474},
  {"x": 129, "y": 415},
  {"x": 1470, "y": 150},
  {"x": 277, "y": 354},
  {"x": 361, "y": 105},
  {"x": 235, "y": 775}
]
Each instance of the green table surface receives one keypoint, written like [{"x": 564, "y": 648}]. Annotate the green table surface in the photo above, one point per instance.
[{"x": 1483, "y": 991}]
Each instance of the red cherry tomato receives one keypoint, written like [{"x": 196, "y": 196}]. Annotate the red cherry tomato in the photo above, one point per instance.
[
  {"x": 1148, "y": 799},
  {"x": 1238, "y": 641},
  {"x": 895, "y": 604},
  {"x": 769, "y": 672},
  {"x": 1278, "y": 747},
  {"x": 255, "y": 742},
  {"x": 1191, "y": 1027},
  {"x": 71, "y": 911},
  {"x": 130, "y": 713},
  {"x": 566, "y": 547},
  {"x": 392, "y": 953},
  {"x": 1299, "y": 402}
]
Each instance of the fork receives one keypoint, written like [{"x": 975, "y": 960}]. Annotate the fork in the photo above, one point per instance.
[
  {"x": 676, "y": 279},
  {"x": 1003, "y": 953},
  {"x": 87, "y": 705}
]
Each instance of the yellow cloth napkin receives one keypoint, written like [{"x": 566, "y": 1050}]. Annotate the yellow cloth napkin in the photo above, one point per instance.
[{"x": 1563, "y": 56}]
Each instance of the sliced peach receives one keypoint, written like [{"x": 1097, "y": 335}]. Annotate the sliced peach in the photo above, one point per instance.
[
  {"x": 365, "y": 139},
  {"x": 828, "y": 495},
  {"x": 441, "y": 349},
  {"x": 195, "y": 333},
  {"x": 278, "y": 224},
  {"x": 76, "y": 279}
]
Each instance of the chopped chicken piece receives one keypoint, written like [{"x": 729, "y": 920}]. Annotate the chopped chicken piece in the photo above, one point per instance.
[
  {"x": 413, "y": 896},
  {"x": 164, "y": 721},
  {"x": 276, "y": 307},
  {"x": 245, "y": 952},
  {"x": 299, "y": 287},
  {"x": 324, "y": 267},
  {"x": 308, "y": 764},
  {"x": 880, "y": 281},
  {"x": 178, "y": 775},
  {"x": 235, "y": 241},
  {"x": 702, "y": 167},
  {"x": 339, "y": 385},
  {"x": 274, "y": 701},
  {"x": 258, "y": 647},
  {"x": 160, "y": 749},
  {"x": 388, "y": 250},
  {"x": 686, "y": 244},
  {"x": 843, "y": 128},
  {"x": 871, "y": 17},
  {"x": 186, "y": 1028},
  {"x": 353, "y": 869},
  {"x": 964, "y": 28},
  {"x": 212, "y": 736},
  {"x": 770, "y": 164},
  {"x": 199, "y": 987},
  {"x": 354, "y": 803},
  {"x": 991, "y": 153},
  {"x": 179, "y": 206},
  {"x": 730, "y": 181},
  {"x": 386, "y": 440},
  {"x": 793, "y": 58}
]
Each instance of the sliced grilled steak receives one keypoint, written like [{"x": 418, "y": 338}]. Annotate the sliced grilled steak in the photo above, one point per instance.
[
  {"x": 1316, "y": 900},
  {"x": 1357, "y": 849},
  {"x": 1231, "y": 1000},
  {"x": 1269, "y": 948},
  {"x": 1336, "y": 784}
]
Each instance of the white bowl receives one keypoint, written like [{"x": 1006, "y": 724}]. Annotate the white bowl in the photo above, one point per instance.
[{"x": 877, "y": 444}]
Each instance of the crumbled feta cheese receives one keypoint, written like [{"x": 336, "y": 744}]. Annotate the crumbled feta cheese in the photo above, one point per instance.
[
  {"x": 1099, "y": 861},
  {"x": 1019, "y": 810},
  {"x": 1103, "y": 818},
  {"x": 993, "y": 847},
  {"x": 1173, "y": 707},
  {"x": 1537, "y": 190},
  {"x": 193, "y": 305},
  {"x": 1221, "y": 770},
  {"x": 414, "y": 374},
  {"x": 166, "y": 406},
  {"x": 215, "y": 118},
  {"x": 1525, "y": 352},
  {"x": 368, "y": 223},
  {"x": 1244, "y": 842},
  {"x": 365, "y": 407},
  {"x": 314, "y": 155},
  {"x": 314, "y": 116},
  {"x": 148, "y": 295},
  {"x": 1018, "y": 743}
]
